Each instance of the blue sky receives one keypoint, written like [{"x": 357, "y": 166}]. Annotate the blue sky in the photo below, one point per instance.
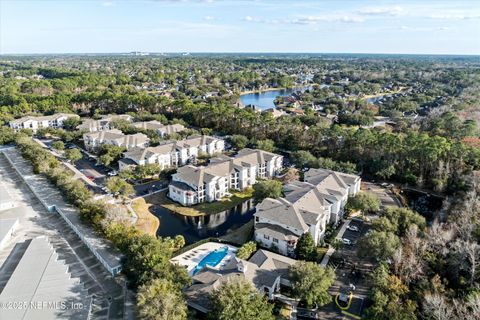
[{"x": 72, "y": 26}]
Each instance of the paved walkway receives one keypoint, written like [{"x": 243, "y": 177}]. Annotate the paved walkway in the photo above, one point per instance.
[{"x": 331, "y": 250}]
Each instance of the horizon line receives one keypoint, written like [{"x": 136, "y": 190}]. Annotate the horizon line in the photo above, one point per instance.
[{"x": 231, "y": 52}]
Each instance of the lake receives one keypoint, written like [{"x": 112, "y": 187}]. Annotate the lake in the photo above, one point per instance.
[
  {"x": 427, "y": 205},
  {"x": 194, "y": 229},
  {"x": 264, "y": 99}
]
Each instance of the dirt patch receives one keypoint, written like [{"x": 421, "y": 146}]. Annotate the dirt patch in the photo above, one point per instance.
[{"x": 147, "y": 222}]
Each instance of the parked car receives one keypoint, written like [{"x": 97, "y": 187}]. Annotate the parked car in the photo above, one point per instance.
[
  {"x": 353, "y": 228},
  {"x": 112, "y": 173},
  {"x": 91, "y": 178},
  {"x": 346, "y": 241}
]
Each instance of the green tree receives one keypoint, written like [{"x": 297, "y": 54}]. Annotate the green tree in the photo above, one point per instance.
[
  {"x": 364, "y": 202},
  {"x": 73, "y": 154},
  {"x": 118, "y": 186},
  {"x": 305, "y": 249},
  {"x": 147, "y": 170},
  {"x": 7, "y": 135},
  {"x": 246, "y": 250},
  {"x": 310, "y": 282},
  {"x": 71, "y": 123},
  {"x": 238, "y": 141},
  {"x": 267, "y": 189},
  {"x": 58, "y": 145},
  {"x": 303, "y": 159},
  {"x": 389, "y": 297},
  {"x": 161, "y": 300},
  {"x": 237, "y": 299},
  {"x": 266, "y": 145},
  {"x": 109, "y": 154},
  {"x": 378, "y": 244},
  {"x": 403, "y": 218}
]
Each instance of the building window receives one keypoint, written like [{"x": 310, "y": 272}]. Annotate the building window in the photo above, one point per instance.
[
  {"x": 275, "y": 240},
  {"x": 266, "y": 237},
  {"x": 257, "y": 219}
]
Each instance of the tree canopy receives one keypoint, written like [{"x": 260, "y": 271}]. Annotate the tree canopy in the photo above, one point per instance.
[{"x": 237, "y": 299}]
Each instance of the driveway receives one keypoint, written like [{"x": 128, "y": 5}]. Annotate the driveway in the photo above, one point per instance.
[{"x": 386, "y": 196}]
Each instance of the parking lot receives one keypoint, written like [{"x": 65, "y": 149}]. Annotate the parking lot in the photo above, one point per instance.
[
  {"x": 94, "y": 171},
  {"x": 351, "y": 273}
]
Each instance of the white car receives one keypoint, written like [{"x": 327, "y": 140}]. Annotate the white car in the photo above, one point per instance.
[
  {"x": 112, "y": 173},
  {"x": 353, "y": 228},
  {"x": 346, "y": 241}
]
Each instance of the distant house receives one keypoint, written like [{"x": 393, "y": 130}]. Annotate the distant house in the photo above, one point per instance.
[
  {"x": 34, "y": 123},
  {"x": 307, "y": 207},
  {"x": 173, "y": 154},
  {"x": 192, "y": 185},
  {"x": 264, "y": 270},
  {"x": 275, "y": 112},
  {"x": 92, "y": 125},
  {"x": 159, "y": 127},
  {"x": 116, "y": 138}
]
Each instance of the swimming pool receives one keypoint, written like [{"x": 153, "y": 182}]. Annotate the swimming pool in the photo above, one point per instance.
[{"x": 212, "y": 259}]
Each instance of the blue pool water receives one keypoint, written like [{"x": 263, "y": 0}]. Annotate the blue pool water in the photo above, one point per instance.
[{"x": 212, "y": 259}]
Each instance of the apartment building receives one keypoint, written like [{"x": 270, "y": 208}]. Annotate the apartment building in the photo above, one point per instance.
[
  {"x": 159, "y": 127},
  {"x": 34, "y": 123},
  {"x": 307, "y": 206},
  {"x": 114, "y": 137},
  {"x": 173, "y": 153},
  {"x": 192, "y": 185},
  {"x": 92, "y": 125}
]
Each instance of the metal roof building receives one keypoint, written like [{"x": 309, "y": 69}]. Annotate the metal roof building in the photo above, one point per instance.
[
  {"x": 53, "y": 200},
  {"x": 41, "y": 287}
]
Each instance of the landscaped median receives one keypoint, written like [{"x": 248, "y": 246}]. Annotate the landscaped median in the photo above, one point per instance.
[{"x": 227, "y": 203}]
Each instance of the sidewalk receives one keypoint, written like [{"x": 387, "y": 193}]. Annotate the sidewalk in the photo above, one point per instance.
[{"x": 331, "y": 250}]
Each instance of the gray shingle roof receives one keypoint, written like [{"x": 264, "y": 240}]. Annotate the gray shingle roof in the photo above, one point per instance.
[{"x": 282, "y": 211}]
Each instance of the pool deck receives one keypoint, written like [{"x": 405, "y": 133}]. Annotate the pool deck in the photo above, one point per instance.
[{"x": 192, "y": 258}]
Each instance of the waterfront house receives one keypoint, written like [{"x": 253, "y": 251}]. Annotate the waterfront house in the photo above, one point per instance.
[
  {"x": 34, "y": 123},
  {"x": 192, "y": 185}
]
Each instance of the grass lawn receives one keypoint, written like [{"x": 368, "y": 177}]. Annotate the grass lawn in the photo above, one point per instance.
[
  {"x": 147, "y": 222},
  {"x": 207, "y": 207},
  {"x": 321, "y": 251}
]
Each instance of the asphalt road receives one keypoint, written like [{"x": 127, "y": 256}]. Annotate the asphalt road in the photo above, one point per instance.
[{"x": 149, "y": 187}]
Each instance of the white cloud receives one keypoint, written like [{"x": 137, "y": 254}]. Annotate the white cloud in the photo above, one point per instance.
[
  {"x": 308, "y": 20},
  {"x": 260, "y": 20},
  {"x": 382, "y": 11},
  {"x": 326, "y": 18},
  {"x": 108, "y": 3},
  {"x": 455, "y": 16},
  {"x": 208, "y": 18}
]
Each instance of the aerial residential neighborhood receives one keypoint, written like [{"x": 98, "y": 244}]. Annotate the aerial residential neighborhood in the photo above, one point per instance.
[{"x": 239, "y": 160}]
